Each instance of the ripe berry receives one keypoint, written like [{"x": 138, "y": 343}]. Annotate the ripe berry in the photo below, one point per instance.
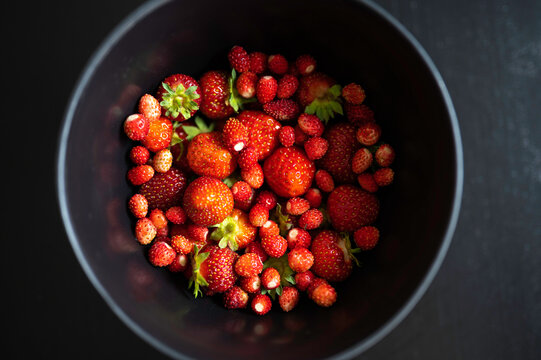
[
  {"x": 305, "y": 64},
  {"x": 234, "y": 135},
  {"x": 256, "y": 248},
  {"x": 282, "y": 110},
  {"x": 162, "y": 161},
  {"x": 297, "y": 206},
  {"x": 239, "y": 59},
  {"x": 176, "y": 215},
  {"x": 324, "y": 181},
  {"x": 253, "y": 176},
  {"x": 139, "y": 155},
  {"x": 266, "y": 89},
  {"x": 140, "y": 174},
  {"x": 248, "y": 264},
  {"x": 158, "y": 218},
  {"x": 267, "y": 199},
  {"x": 353, "y": 94},
  {"x": 250, "y": 284},
  {"x": 384, "y": 155},
  {"x": 366, "y": 237},
  {"x": 361, "y": 160},
  {"x": 261, "y": 304},
  {"x": 270, "y": 278},
  {"x": 269, "y": 228},
  {"x": 247, "y": 157},
  {"x": 358, "y": 114},
  {"x": 241, "y": 191},
  {"x": 235, "y": 298},
  {"x": 136, "y": 127},
  {"x": 298, "y": 237},
  {"x": 322, "y": 293},
  {"x": 289, "y": 298},
  {"x": 138, "y": 206},
  {"x": 311, "y": 219},
  {"x": 258, "y": 215},
  {"x": 300, "y": 136},
  {"x": 161, "y": 254},
  {"x": 314, "y": 197},
  {"x": 278, "y": 64},
  {"x": 367, "y": 182},
  {"x": 287, "y": 85},
  {"x": 179, "y": 264},
  {"x": 384, "y": 176},
  {"x": 303, "y": 280},
  {"x": 159, "y": 135},
  {"x": 287, "y": 136},
  {"x": 150, "y": 107},
  {"x": 368, "y": 134},
  {"x": 246, "y": 84},
  {"x": 258, "y": 62},
  {"x": 274, "y": 246},
  {"x": 300, "y": 259},
  {"x": 181, "y": 244},
  {"x": 316, "y": 147},
  {"x": 311, "y": 125}
]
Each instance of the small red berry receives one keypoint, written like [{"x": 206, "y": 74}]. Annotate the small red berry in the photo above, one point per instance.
[
  {"x": 384, "y": 176},
  {"x": 353, "y": 94},
  {"x": 298, "y": 237},
  {"x": 258, "y": 215},
  {"x": 300, "y": 136},
  {"x": 275, "y": 246},
  {"x": 247, "y": 157},
  {"x": 367, "y": 182},
  {"x": 250, "y": 284},
  {"x": 158, "y": 218},
  {"x": 310, "y": 125},
  {"x": 266, "y": 89},
  {"x": 246, "y": 84},
  {"x": 258, "y": 62},
  {"x": 314, "y": 197},
  {"x": 239, "y": 59},
  {"x": 358, "y": 114},
  {"x": 256, "y": 248},
  {"x": 366, "y": 237},
  {"x": 253, "y": 176},
  {"x": 136, "y": 127},
  {"x": 179, "y": 264},
  {"x": 303, "y": 280},
  {"x": 324, "y": 181},
  {"x": 261, "y": 304},
  {"x": 361, "y": 161},
  {"x": 368, "y": 134},
  {"x": 138, "y": 206},
  {"x": 270, "y": 278},
  {"x": 287, "y": 85},
  {"x": 162, "y": 161},
  {"x": 311, "y": 219},
  {"x": 150, "y": 107},
  {"x": 278, "y": 64},
  {"x": 161, "y": 254},
  {"x": 289, "y": 298},
  {"x": 384, "y": 155},
  {"x": 234, "y": 135},
  {"x": 306, "y": 64},
  {"x": 316, "y": 147},
  {"x": 300, "y": 259},
  {"x": 176, "y": 215},
  {"x": 297, "y": 206},
  {"x": 269, "y": 228},
  {"x": 322, "y": 293},
  {"x": 140, "y": 174},
  {"x": 287, "y": 136},
  {"x": 282, "y": 110},
  {"x": 181, "y": 244},
  {"x": 139, "y": 155},
  {"x": 267, "y": 198},
  {"x": 241, "y": 191},
  {"x": 248, "y": 264},
  {"x": 235, "y": 298}
]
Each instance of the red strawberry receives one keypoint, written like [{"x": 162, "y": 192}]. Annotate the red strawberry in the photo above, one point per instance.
[
  {"x": 305, "y": 64},
  {"x": 274, "y": 246},
  {"x": 179, "y": 96},
  {"x": 266, "y": 89},
  {"x": 278, "y": 64},
  {"x": 239, "y": 59},
  {"x": 246, "y": 84},
  {"x": 261, "y": 304},
  {"x": 208, "y": 156},
  {"x": 289, "y": 172},
  {"x": 250, "y": 284},
  {"x": 136, "y": 127},
  {"x": 267, "y": 199},
  {"x": 256, "y": 248},
  {"x": 270, "y": 278},
  {"x": 287, "y": 136},
  {"x": 245, "y": 205},
  {"x": 162, "y": 232},
  {"x": 342, "y": 147},
  {"x": 322, "y": 293},
  {"x": 353, "y": 94},
  {"x": 319, "y": 94},
  {"x": 164, "y": 190},
  {"x": 138, "y": 206},
  {"x": 176, "y": 215},
  {"x": 361, "y": 160},
  {"x": 159, "y": 135},
  {"x": 161, "y": 254},
  {"x": 158, "y": 218},
  {"x": 298, "y": 237},
  {"x": 300, "y": 259},
  {"x": 324, "y": 181},
  {"x": 139, "y": 155},
  {"x": 197, "y": 234},
  {"x": 212, "y": 268},
  {"x": 282, "y": 110},
  {"x": 349, "y": 208},
  {"x": 289, "y": 298},
  {"x": 179, "y": 264},
  {"x": 366, "y": 182},
  {"x": 145, "y": 231},
  {"x": 297, "y": 206},
  {"x": 140, "y": 174},
  {"x": 258, "y": 62},
  {"x": 258, "y": 215},
  {"x": 368, "y": 134},
  {"x": 247, "y": 157},
  {"x": 311, "y": 219},
  {"x": 264, "y": 131},
  {"x": 234, "y": 135},
  {"x": 207, "y": 201},
  {"x": 162, "y": 161},
  {"x": 241, "y": 191},
  {"x": 253, "y": 176},
  {"x": 314, "y": 197},
  {"x": 235, "y": 298},
  {"x": 316, "y": 147},
  {"x": 269, "y": 228},
  {"x": 366, "y": 237},
  {"x": 384, "y": 155},
  {"x": 300, "y": 136},
  {"x": 359, "y": 114},
  {"x": 384, "y": 176},
  {"x": 303, "y": 280},
  {"x": 149, "y": 107},
  {"x": 181, "y": 244},
  {"x": 310, "y": 125},
  {"x": 249, "y": 264},
  {"x": 287, "y": 86},
  {"x": 215, "y": 94},
  {"x": 333, "y": 259},
  {"x": 235, "y": 231}
]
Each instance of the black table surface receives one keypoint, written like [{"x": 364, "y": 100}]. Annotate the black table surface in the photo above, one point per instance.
[{"x": 485, "y": 302}]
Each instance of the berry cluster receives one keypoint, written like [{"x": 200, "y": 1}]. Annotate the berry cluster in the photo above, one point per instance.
[{"x": 260, "y": 200}]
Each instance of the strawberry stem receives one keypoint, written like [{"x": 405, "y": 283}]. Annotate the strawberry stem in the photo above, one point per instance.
[
  {"x": 179, "y": 101},
  {"x": 197, "y": 280},
  {"x": 226, "y": 233},
  {"x": 327, "y": 106}
]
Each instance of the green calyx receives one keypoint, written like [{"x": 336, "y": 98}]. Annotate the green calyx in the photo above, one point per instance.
[
  {"x": 197, "y": 280},
  {"x": 199, "y": 128},
  {"x": 283, "y": 220},
  {"x": 235, "y": 100},
  {"x": 179, "y": 101},
  {"x": 327, "y": 106},
  {"x": 345, "y": 244},
  {"x": 287, "y": 276},
  {"x": 226, "y": 233}
]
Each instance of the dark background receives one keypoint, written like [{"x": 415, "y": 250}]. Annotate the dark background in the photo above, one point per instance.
[{"x": 485, "y": 302}]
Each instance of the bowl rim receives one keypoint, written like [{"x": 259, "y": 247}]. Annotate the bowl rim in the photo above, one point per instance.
[{"x": 105, "y": 47}]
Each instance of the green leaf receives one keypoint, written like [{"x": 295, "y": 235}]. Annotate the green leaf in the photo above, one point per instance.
[
  {"x": 335, "y": 90},
  {"x": 191, "y": 131}
]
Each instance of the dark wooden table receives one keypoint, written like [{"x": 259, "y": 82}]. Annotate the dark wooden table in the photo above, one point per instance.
[{"x": 485, "y": 302}]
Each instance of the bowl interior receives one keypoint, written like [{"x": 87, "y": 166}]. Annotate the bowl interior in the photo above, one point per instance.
[{"x": 352, "y": 42}]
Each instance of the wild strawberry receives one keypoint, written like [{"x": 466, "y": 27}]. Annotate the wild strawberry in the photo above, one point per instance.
[
  {"x": 246, "y": 84},
  {"x": 159, "y": 135},
  {"x": 145, "y": 231},
  {"x": 258, "y": 215},
  {"x": 361, "y": 160},
  {"x": 303, "y": 280},
  {"x": 300, "y": 136},
  {"x": 384, "y": 155},
  {"x": 139, "y": 155},
  {"x": 241, "y": 191},
  {"x": 179, "y": 96},
  {"x": 384, "y": 176},
  {"x": 208, "y": 156},
  {"x": 311, "y": 219},
  {"x": 316, "y": 147},
  {"x": 289, "y": 298},
  {"x": 267, "y": 199},
  {"x": 149, "y": 107},
  {"x": 289, "y": 172},
  {"x": 161, "y": 254},
  {"x": 256, "y": 248},
  {"x": 158, "y": 218},
  {"x": 300, "y": 259},
  {"x": 235, "y": 231},
  {"x": 269, "y": 228},
  {"x": 179, "y": 264},
  {"x": 333, "y": 258},
  {"x": 234, "y": 135},
  {"x": 138, "y": 206},
  {"x": 314, "y": 197},
  {"x": 270, "y": 278},
  {"x": 250, "y": 284},
  {"x": 140, "y": 174},
  {"x": 249, "y": 264},
  {"x": 212, "y": 268},
  {"x": 239, "y": 59},
  {"x": 207, "y": 201},
  {"x": 215, "y": 94},
  {"x": 319, "y": 94},
  {"x": 274, "y": 246},
  {"x": 181, "y": 244},
  {"x": 287, "y": 136},
  {"x": 278, "y": 64},
  {"x": 261, "y": 304},
  {"x": 366, "y": 182},
  {"x": 164, "y": 190},
  {"x": 298, "y": 237},
  {"x": 283, "y": 109},
  {"x": 366, "y": 237},
  {"x": 162, "y": 161},
  {"x": 197, "y": 234},
  {"x": 297, "y": 206},
  {"x": 264, "y": 131},
  {"x": 176, "y": 215},
  {"x": 258, "y": 62},
  {"x": 162, "y": 232},
  {"x": 368, "y": 134},
  {"x": 349, "y": 208},
  {"x": 253, "y": 176},
  {"x": 305, "y": 64},
  {"x": 353, "y": 94},
  {"x": 247, "y": 158},
  {"x": 342, "y": 147},
  {"x": 235, "y": 298},
  {"x": 266, "y": 89},
  {"x": 310, "y": 125},
  {"x": 322, "y": 293},
  {"x": 324, "y": 181},
  {"x": 136, "y": 127},
  {"x": 359, "y": 114},
  {"x": 287, "y": 85}
]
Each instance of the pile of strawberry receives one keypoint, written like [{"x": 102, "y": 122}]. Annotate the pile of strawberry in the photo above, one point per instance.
[{"x": 259, "y": 200}]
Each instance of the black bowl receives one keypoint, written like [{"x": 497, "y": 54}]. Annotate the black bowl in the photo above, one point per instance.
[{"x": 353, "y": 41}]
